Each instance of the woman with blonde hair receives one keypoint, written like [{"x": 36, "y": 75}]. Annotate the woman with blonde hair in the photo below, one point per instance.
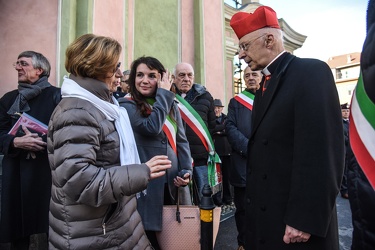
[{"x": 93, "y": 157}]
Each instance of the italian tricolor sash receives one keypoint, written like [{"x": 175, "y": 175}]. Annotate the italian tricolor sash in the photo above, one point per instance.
[
  {"x": 169, "y": 128},
  {"x": 195, "y": 122},
  {"x": 362, "y": 129},
  {"x": 245, "y": 98}
]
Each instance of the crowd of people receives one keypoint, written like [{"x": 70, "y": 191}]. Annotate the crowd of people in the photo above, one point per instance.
[{"x": 121, "y": 144}]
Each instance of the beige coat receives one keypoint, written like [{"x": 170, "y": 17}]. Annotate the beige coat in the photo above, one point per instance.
[{"x": 92, "y": 204}]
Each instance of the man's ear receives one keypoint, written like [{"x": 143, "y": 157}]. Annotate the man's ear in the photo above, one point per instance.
[
  {"x": 270, "y": 40},
  {"x": 39, "y": 71}
]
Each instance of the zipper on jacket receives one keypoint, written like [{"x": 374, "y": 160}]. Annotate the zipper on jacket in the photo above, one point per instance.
[
  {"x": 110, "y": 212},
  {"x": 103, "y": 226}
]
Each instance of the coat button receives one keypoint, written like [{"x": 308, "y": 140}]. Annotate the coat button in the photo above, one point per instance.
[
  {"x": 248, "y": 200},
  {"x": 252, "y": 142},
  {"x": 265, "y": 141},
  {"x": 262, "y": 241},
  {"x": 264, "y": 177},
  {"x": 263, "y": 208}
]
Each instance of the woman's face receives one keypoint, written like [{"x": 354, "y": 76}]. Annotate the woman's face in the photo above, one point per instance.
[
  {"x": 113, "y": 79},
  {"x": 146, "y": 80}
]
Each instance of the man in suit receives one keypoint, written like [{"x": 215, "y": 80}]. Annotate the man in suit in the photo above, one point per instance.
[
  {"x": 223, "y": 149},
  {"x": 295, "y": 160},
  {"x": 345, "y": 111},
  {"x": 238, "y": 129}
]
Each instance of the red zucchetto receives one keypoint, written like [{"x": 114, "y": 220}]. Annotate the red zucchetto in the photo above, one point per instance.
[{"x": 243, "y": 23}]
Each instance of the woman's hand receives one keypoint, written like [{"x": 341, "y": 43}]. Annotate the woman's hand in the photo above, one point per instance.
[
  {"x": 165, "y": 80},
  {"x": 158, "y": 164},
  {"x": 181, "y": 182}
]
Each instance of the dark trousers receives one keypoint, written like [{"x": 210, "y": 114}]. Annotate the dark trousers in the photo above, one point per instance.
[
  {"x": 344, "y": 182},
  {"x": 240, "y": 203},
  {"x": 227, "y": 196},
  {"x": 20, "y": 244}
]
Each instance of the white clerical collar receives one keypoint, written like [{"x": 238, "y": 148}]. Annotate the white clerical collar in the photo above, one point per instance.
[{"x": 265, "y": 71}]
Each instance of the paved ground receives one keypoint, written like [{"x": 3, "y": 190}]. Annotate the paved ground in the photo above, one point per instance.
[{"x": 226, "y": 239}]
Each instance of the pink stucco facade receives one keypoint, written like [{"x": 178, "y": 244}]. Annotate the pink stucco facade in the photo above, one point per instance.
[
  {"x": 213, "y": 48},
  {"x": 109, "y": 20},
  {"x": 204, "y": 38},
  {"x": 24, "y": 25},
  {"x": 187, "y": 31}
]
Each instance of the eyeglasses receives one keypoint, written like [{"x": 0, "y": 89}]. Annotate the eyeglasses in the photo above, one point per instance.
[
  {"x": 118, "y": 66},
  {"x": 246, "y": 46},
  {"x": 20, "y": 64}
]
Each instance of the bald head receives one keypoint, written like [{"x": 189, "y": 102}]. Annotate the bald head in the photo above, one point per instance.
[{"x": 184, "y": 77}]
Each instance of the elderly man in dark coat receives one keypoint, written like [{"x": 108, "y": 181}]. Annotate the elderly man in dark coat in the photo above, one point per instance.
[
  {"x": 26, "y": 182},
  {"x": 295, "y": 160}
]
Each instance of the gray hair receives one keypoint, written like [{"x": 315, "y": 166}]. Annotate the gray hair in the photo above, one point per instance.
[
  {"x": 175, "y": 68},
  {"x": 39, "y": 61}
]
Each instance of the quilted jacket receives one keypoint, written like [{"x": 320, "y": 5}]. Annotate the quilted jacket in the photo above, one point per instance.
[{"x": 92, "y": 200}]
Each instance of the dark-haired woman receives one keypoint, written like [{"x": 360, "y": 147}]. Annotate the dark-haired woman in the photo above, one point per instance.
[{"x": 158, "y": 129}]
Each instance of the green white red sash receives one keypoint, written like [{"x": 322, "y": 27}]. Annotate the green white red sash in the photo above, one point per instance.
[
  {"x": 246, "y": 98},
  {"x": 169, "y": 128},
  {"x": 195, "y": 122},
  {"x": 362, "y": 128}
]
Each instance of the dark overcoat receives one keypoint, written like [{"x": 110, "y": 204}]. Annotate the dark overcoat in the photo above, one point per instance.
[
  {"x": 151, "y": 141},
  {"x": 26, "y": 183},
  {"x": 238, "y": 129},
  {"x": 222, "y": 146},
  {"x": 361, "y": 193},
  {"x": 295, "y": 157}
]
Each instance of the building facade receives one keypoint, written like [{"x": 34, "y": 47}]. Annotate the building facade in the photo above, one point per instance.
[
  {"x": 345, "y": 70},
  {"x": 193, "y": 31}
]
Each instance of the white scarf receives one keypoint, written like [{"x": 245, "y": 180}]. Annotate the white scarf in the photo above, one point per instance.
[{"x": 113, "y": 112}]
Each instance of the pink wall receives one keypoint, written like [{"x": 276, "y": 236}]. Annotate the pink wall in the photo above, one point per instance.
[
  {"x": 111, "y": 23},
  {"x": 27, "y": 28},
  {"x": 129, "y": 22},
  {"x": 187, "y": 32},
  {"x": 213, "y": 48}
]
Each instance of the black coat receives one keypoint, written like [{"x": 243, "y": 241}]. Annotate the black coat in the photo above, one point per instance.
[
  {"x": 362, "y": 205},
  {"x": 361, "y": 193},
  {"x": 295, "y": 157},
  {"x": 219, "y": 137},
  {"x": 238, "y": 129},
  {"x": 26, "y": 189}
]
